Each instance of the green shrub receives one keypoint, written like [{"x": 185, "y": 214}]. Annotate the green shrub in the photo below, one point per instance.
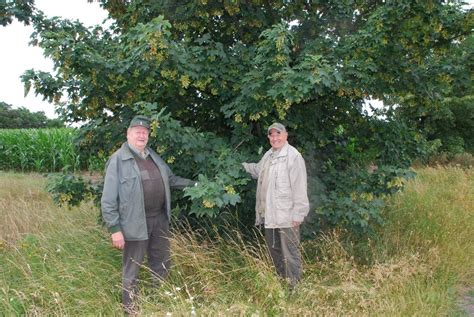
[{"x": 71, "y": 190}]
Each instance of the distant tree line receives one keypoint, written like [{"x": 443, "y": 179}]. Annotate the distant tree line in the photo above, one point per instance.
[{"x": 23, "y": 118}]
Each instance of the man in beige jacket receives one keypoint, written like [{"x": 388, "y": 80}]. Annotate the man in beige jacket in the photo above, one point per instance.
[{"x": 282, "y": 201}]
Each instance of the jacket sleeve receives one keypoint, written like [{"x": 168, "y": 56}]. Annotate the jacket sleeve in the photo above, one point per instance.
[
  {"x": 110, "y": 196},
  {"x": 180, "y": 182},
  {"x": 298, "y": 179},
  {"x": 177, "y": 182},
  {"x": 253, "y": 168}
]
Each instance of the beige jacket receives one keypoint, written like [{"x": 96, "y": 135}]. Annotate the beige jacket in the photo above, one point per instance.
[{"x": 286, "y": 198}]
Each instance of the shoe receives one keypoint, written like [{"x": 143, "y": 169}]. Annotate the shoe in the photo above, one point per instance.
[{"x": 129, "y": 310}]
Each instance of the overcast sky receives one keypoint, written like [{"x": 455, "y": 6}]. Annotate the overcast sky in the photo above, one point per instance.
[{"x": 16, "y": 55}]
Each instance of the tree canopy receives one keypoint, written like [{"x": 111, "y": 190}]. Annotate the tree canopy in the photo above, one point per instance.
[{"x": 214, "y": 74}]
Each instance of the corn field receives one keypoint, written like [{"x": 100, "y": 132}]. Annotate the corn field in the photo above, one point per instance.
[{"x": 39, "y": 150}]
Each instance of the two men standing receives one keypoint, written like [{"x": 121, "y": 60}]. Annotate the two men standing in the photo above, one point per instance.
[{"x": 136, "y": 204}]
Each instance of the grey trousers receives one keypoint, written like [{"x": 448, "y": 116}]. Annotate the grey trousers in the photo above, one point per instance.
[
  {"x": 157, "y": 249},
  {"x": 284, "y": 247}
]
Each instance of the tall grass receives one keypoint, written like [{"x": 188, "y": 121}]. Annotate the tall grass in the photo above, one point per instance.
[
  {"x": 58, "y": 261},
  {"x": 39, "y": 150}
]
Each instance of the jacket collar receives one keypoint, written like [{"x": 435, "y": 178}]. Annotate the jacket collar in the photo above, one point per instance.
[
  {"x": 126, "y": 152},
  {"x": 283, "y": 151}
]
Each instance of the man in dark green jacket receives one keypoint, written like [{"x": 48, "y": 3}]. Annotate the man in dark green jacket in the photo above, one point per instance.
[{"x": 136, "y": 206}]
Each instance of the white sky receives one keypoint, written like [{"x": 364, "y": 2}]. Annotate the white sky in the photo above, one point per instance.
[{"x": 16, "y": 55}]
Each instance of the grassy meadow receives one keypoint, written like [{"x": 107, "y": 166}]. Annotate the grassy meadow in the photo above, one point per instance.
[{"x": 58, "y": 261}]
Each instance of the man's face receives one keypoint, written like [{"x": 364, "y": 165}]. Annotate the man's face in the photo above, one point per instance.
[
  {"x": 277, "y": 139},
  {"x": 137, "y": 137}
]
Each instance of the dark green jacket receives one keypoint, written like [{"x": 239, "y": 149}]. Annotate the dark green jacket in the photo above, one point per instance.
[{"x": 123, "y": 207}]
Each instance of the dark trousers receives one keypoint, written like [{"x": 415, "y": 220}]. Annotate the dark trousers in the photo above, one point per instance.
[
  {"x": 157, "y": 249},
  {"x": 283, "y": 244}
]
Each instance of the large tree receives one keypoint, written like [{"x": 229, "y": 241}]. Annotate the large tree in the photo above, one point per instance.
[{"x": 214, "y": 74}]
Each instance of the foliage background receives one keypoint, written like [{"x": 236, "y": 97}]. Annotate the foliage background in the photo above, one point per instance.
[
  {"x": 22, "y": 118},
  {"x": 214, "y": 74}
]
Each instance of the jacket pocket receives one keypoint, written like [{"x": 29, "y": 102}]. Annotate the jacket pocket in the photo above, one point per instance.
[
  {"x": 283, "y": 202},
  {"x": 128, "y": 186},
  {"x": 283, "y": 212}
]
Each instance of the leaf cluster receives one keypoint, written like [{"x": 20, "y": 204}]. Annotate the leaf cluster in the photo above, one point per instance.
[{"x": 20, "y": 9}]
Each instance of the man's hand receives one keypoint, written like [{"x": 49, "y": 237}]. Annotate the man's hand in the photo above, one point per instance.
[
  {"x": 117, "y": 240},
  {"x": 296, "y": 223}
]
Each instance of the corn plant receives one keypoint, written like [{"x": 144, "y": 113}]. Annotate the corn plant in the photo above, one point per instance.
[{"x": 39, "y": 150}]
